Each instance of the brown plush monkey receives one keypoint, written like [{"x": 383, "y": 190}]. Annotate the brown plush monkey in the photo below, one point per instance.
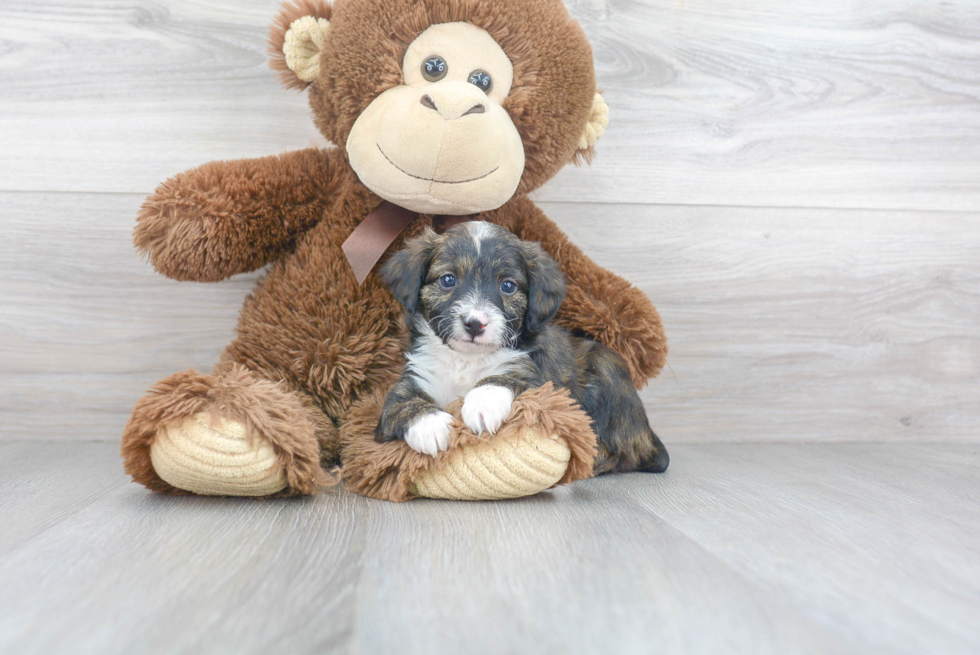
[{"x": 438, "y": 109}]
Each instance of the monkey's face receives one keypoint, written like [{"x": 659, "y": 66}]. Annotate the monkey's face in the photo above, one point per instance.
[
  {"x": 445, "y": 106},
  {"x": 440, "y": 142}
]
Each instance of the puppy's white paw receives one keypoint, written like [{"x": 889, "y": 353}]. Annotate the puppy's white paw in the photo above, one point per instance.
[
  {"x": 429, "y": 434},
  {"x": 486, "y": 408}
]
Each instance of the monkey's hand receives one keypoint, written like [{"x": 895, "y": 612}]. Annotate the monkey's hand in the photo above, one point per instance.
[
  {"x": 230, "y": 217},
  {"x": 620, "y": 316}
]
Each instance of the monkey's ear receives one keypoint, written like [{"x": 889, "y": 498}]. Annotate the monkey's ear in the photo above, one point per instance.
[
  {"x": 295, "y": 39},
  {"x": 595, "y": 128},
  {"x": 406, "y": 269},
  {"x": 546, "y": 287}
]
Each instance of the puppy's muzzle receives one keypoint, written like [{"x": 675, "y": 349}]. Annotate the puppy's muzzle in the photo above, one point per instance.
[{"x": 474, "y": 326}]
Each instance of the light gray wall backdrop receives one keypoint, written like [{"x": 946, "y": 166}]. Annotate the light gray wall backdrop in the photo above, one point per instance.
[{"x": 796, "y": 185}]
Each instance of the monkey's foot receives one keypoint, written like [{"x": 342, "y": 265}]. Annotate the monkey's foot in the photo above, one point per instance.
[
  {"x": 229, "y": 434},
  {"x": 215, "y": 457},
  {"x": 547, "y": 440},
  {"x": 521, "y": 463}
]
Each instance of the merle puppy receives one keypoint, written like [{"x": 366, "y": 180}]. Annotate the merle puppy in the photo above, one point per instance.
[{"x": 479, "y": 302}]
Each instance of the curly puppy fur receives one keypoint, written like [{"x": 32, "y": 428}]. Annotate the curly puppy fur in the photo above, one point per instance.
[
  {"x": 478, "y": 305},
  {"x": 315, "y": 338}
]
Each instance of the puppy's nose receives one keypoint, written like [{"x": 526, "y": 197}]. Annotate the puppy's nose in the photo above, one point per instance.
[{"x": 474, "y": 327}]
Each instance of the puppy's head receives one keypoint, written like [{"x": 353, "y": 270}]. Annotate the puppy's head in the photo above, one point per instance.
[{"x": 477, "y": 286}]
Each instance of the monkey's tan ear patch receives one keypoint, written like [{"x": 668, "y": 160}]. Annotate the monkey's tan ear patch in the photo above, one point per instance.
[
  {"x": 598, "y": 122},
  {"x": 304, "y": 38},
  {"x": 295, "y": 40}
]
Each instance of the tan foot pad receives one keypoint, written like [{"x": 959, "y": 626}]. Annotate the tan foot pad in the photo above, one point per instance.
[
  {"x": 216, "y": 459},
  {"x": 521, "y": 464}
]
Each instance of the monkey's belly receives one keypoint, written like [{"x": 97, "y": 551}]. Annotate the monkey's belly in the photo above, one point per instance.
[{"x": 309, "y": 324}]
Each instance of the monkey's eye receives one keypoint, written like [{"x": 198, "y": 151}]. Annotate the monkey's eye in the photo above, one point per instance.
[
  {"x": 482, "y": 80},
  {"x": 434, "y": 68},
  {"x": 447, "y": 281},
  {"x": 508, "y": 286}
]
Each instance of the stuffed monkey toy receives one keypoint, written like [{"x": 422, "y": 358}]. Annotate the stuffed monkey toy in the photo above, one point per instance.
[{"x": 440, "y": 111}]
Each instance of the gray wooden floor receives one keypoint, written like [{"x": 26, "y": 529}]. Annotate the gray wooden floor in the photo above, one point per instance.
[{"x": 748, "y": 548}]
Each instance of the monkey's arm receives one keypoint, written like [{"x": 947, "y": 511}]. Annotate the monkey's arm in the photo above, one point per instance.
[
  {"x": 229, "y": 217},
  {"x": 599, "y": 303}
]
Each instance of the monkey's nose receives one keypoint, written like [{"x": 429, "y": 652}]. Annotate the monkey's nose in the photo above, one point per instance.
[
  {"x": 473, "y": 326},
  {"x": 451, "y": 112}
]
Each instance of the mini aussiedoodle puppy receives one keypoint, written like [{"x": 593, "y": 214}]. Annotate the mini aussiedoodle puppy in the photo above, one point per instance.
[{"x": 479, "y": 302}]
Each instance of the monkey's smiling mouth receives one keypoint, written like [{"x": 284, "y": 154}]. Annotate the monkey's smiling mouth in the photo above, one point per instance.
[{"x": 432, "y": 179}]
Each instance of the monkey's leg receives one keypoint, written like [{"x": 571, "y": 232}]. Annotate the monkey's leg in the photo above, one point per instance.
[
  {"x": 232, "y": 433},
  {"x": 547, "y": 440},
  {"x": 310, "y": 339}
]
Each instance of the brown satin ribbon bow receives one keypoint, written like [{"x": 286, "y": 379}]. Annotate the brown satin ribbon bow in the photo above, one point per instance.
[{"x": 379, "y": 229}]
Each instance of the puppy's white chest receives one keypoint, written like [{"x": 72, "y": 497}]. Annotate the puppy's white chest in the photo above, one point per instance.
[
  {"x": 459, "y": 379},
  {"x": 446, "y": 375}
]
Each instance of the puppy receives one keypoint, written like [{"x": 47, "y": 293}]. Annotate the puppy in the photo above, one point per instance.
[{"x": 478, "y": 303}]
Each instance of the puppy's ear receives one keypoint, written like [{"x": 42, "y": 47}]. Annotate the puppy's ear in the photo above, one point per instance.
[
  {"x": 546, "y": 287},
  {"x": 406, "y": 269}
]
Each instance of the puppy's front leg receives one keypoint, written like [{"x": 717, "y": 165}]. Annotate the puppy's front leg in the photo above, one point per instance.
[
  {"x": 411, "y": 415},
  {"x": 487, "y": 405}
]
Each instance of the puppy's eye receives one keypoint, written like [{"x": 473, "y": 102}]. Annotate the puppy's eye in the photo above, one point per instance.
[
  {"x": 447, "y": 281},
  {"x": 508, "y": 286}
]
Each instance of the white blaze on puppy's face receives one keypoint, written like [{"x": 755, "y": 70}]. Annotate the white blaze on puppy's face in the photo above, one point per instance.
[
  {"x": 479, "y": 230},
  {"x": 443, "y": 144},
  {"x": 475, "y": 308},
  {"x": 476, "y": 315}
]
